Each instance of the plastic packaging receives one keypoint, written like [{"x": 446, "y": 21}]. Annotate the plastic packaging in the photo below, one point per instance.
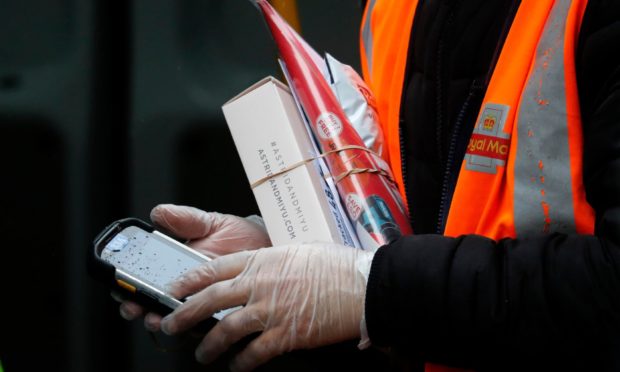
[
  {"x": 371, "y": 199},
  {"x": 357, "y": 101}
]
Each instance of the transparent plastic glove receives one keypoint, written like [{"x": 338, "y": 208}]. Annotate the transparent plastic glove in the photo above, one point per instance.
[
  {"x": 299, "y": 297},
  {"x": 211, "y": 233}
]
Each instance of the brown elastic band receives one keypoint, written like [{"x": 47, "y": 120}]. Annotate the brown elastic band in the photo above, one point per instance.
[
  {"x": 362, "y": 170},
  {"x": 337, "y": 179}
]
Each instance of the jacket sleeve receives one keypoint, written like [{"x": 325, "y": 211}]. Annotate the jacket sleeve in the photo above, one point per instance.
[{"x": 548, "y": 301}]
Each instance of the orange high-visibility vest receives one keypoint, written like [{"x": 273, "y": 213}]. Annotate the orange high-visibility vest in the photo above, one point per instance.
[{"x": 522, "y": 172}]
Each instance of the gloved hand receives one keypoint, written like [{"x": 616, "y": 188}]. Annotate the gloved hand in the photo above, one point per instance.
[
  {"x": 298, "y": 296},
  {"x": 213, "y": 234}
]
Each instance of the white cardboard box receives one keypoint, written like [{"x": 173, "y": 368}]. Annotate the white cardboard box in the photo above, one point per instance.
[{"x": 270, "y": 136}]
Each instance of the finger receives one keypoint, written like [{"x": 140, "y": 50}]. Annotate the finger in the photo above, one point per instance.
[
  {"x": 217, "y": 270},
  {"x": 130, "y": 310},
  {"x": 258, "y": 221},
  {"x": 201, "y": 306},
  {"x": 265, "y": 347},
  {"x": 152, "y": 322},
  {"x": 226, "y": 332},
  {"x": 185, "y": 222},
  {"x": 117, "y": 296}
]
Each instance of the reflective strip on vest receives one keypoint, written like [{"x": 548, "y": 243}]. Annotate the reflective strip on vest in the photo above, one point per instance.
[
  {"x": 367, "y": 35},
  {"x": 544, "y": 156},
  {"x": 542, "y": 166}
]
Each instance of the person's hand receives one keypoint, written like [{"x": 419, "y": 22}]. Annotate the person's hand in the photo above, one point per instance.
[
  {"x": 298, "y": 297},
  {"x": 211, "y": 233}
]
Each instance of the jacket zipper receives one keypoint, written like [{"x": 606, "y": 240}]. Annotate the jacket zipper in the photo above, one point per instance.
[
  {"x": 403, "y": 169},
  {"x": 440, "y": 83},
  {"x": 447, "y": 186},
  {"x": 438, "y": 102}
]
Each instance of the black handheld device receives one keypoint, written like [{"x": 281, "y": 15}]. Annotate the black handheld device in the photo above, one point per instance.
[{"x": 135, "y": 259}]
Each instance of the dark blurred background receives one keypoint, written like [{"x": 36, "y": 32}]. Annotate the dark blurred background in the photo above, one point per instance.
[{"x": 108, "y": 108}]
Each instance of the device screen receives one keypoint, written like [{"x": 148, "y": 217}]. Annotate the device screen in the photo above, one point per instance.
[{"x": 148, "y": 257}]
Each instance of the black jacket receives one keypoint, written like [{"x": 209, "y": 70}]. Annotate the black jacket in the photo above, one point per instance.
[{"x": 547, "y": 302}]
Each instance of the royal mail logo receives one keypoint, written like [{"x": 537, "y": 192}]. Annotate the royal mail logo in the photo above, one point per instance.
[{"x": 489, "y": 145}]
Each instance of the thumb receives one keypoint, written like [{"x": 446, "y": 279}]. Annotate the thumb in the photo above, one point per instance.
[{"x": 182, "y": 221}]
